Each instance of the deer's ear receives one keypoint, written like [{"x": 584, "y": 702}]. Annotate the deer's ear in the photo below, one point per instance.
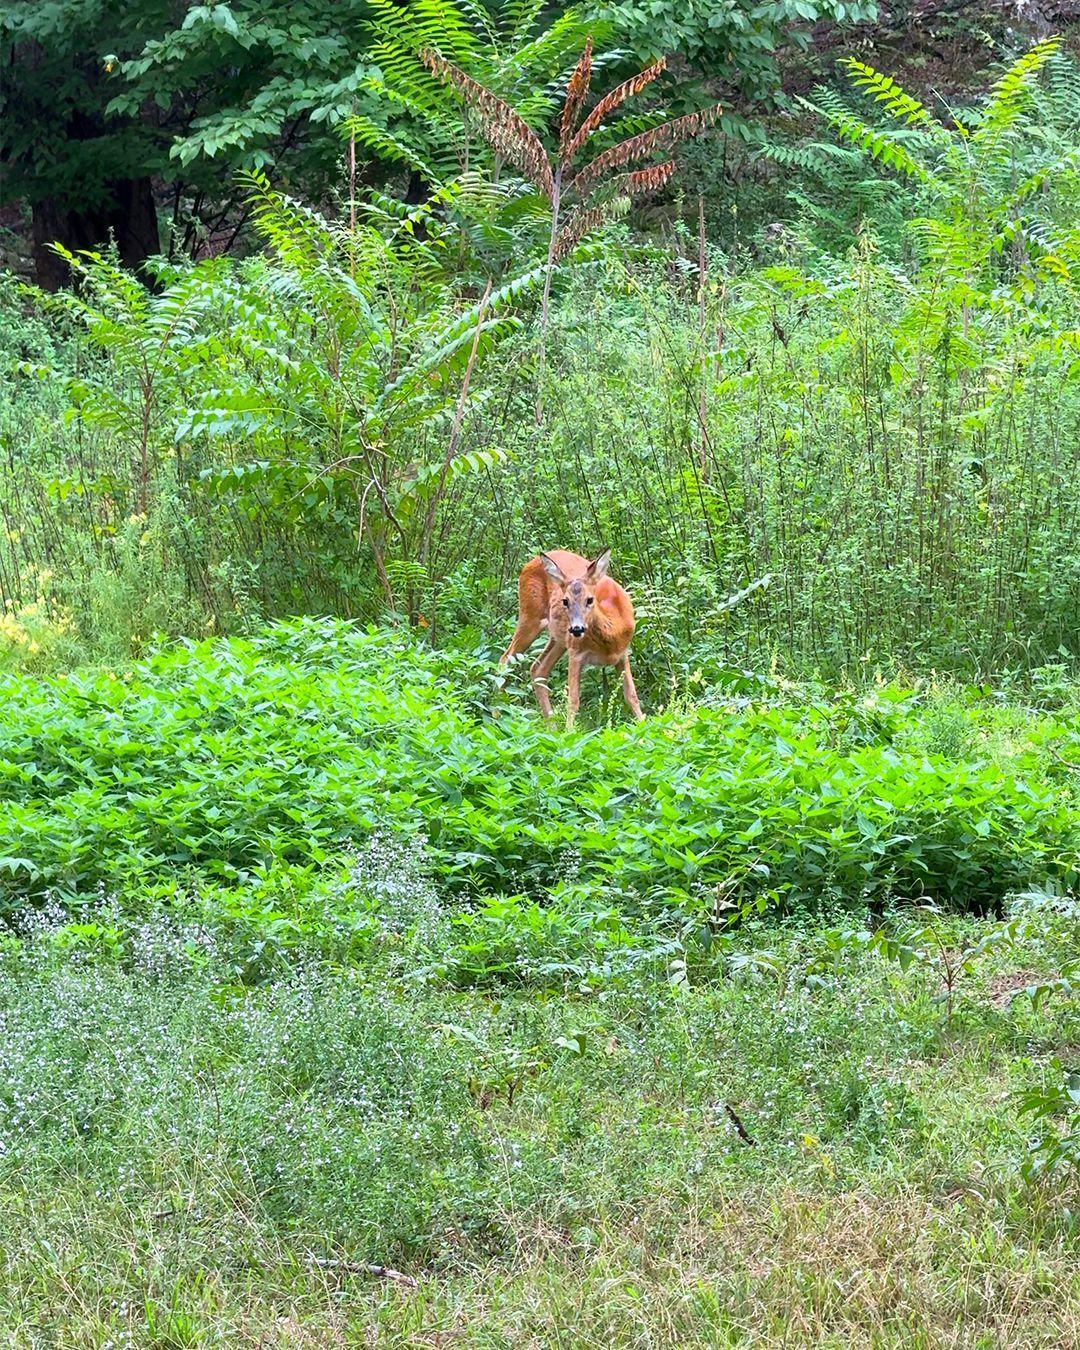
[
  {"x": 599, "y": 566},
  {"x": 552, "y": 568}
]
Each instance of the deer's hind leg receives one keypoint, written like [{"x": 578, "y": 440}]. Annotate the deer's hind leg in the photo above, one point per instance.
[
  {"x": 532, "y": 613},
  {"x": 525, "y": 634}
]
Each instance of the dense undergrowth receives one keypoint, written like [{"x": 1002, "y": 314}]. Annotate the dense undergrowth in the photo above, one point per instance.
[{"x": 227, "y": 761}]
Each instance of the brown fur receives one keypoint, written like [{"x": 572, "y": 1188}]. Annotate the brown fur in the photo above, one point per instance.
[{"x": 608, "y": 621}]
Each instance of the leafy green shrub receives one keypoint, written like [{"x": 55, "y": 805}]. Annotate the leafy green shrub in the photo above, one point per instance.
[
  {"x": 223, "y": 759},
  {"x": 1056, "y": 1144}
]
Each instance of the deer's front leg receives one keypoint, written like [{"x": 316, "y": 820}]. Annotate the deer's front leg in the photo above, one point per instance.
[
  {"x": 544, "y": 664},
  {"x": 573, "y": 688}
]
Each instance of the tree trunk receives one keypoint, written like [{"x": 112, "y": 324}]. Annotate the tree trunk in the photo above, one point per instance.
[
  {"x": 132, "y": 221},
  {"x": 418, "y": 190}
]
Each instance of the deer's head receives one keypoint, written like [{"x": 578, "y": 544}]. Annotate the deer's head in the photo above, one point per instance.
[{"x": 573, "y": 601}]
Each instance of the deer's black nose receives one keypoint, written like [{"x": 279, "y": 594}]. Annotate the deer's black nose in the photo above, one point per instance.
[{"x": 577, "y": 632}]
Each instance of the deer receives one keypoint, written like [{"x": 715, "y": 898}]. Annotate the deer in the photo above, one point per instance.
[{"x": 585, "y": 612}]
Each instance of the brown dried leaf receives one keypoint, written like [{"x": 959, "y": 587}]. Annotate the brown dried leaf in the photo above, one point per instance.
[
  {"x": 505, "y": 130},
  {"x": 637, "y": 147},
  {"x": 635, "y": 184},
  {"x": 640, "y": 182},
  {"x": 576, "y": 91},
  {"x": 577, "y": 227},
  {"x": 609, "y": 102}
]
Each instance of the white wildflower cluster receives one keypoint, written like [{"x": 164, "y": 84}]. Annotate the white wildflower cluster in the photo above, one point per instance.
[
  {"x": 37, "y": 923},
  {"x": 392, "y": 872},
  {"x": 162, "y": 946},
  {"x": 569, "y": 865},
  {"x": 155, "y": 946}
]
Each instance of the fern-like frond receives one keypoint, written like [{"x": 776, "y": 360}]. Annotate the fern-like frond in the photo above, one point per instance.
[
  {"x": 622, "y": 128},
  {"x": 506, "y": 131},
  {"x": 464, "y": 463},
  {"x": 517, "y": 17},
  {"x": 510, "y": 293},
  {"x": 880, "y": 146},
  {"x": 579, "y": 224},
  {"x": 295, "y": 232},
  {"x": 402, "y": 76},
  {"x": 556, "y": 48},
  {"x": 487, "y": 28},
  {"x": 950, "y": 247},
  {"x": 1055, "y": 251},
  {"x": 387, "y": 146},
  {"x": 447, "y": 354},
  {"x": 884, "y": 90},
  {"x": 1047, "y": 174},
  {"x": 638, "y": 183},
  {"x": 111, "y": 303},
  {"x": 817, "y": 157},
  {"x": 1063, "y": 86},
  {"x": 432, "y": 119},
  {"x": 438, "y": 24},
  {"x": 1011, "y": 94},
  {"x": 576, "y": 92}
]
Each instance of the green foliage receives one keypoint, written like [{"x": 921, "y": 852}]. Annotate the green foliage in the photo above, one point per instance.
[
  {"x": 130, "y": 93},
  {"x": 315, "y": 365},
  {"x": 991, "y": 227},
  {"x": 223, "y": 760},
  {"x": 860, "y": 448},
  {"x": 120, "y": 94},
  {"x": 54, "y": 94},
  {"x": 262, "y": 76},
  {"x": 570, "y": 938},
  {"x": 738, "y": 43},
  {"x": 372, "y": 1142}
]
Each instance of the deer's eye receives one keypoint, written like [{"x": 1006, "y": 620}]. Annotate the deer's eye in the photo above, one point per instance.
[{"x": 566, "y": 602}]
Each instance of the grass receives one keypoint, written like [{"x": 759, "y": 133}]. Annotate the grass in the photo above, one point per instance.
[{"x": 187, "y": 1161}]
